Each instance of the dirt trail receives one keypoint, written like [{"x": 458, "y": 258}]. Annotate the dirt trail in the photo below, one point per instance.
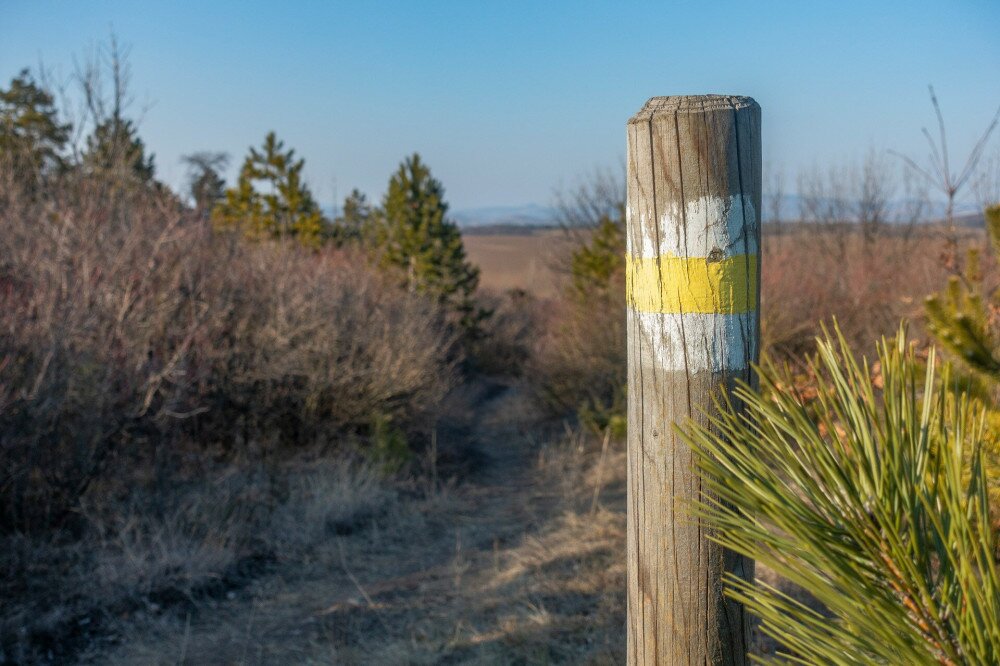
[{"x": 503, "y": 566}]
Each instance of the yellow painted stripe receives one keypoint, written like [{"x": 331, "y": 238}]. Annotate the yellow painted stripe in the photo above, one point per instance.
[{"x": 669, "y": 284}]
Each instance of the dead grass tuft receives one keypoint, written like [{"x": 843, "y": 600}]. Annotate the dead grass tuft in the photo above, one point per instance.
[
  {"x": 326, "y": 499},
  {"x": 167, "y": 553}
]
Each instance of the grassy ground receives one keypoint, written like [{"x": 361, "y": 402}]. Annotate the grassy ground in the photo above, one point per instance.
[
  {"x": 521, "y": 563},
  {"x": 516, "y": 564}
]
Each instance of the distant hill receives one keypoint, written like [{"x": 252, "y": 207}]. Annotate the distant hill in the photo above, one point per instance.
[
  {"x": 966, "y": 214},
  {"x": 528, "y": 215},
  {"x": 497, "y": 218},
  {"x": 534, "y": 215}
]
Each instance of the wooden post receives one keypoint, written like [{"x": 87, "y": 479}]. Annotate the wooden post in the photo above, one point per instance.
[{"x": 693, "y": 281}]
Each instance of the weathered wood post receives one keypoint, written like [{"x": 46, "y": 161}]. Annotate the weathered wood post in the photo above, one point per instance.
[{"x": 693, "y": 281}]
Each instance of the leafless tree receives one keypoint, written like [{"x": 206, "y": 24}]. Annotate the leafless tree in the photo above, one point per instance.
[
  {"x": 938, "y": 172},
  {"x": 112, "y": 141},
  {"x": 824, "y": 196},
  {"x": 824, "y": 203},
  {"x": 774, "y": 199},
  {"x": 595, "y": 196},
  {"x": 206, "y": 185},
  {"x": 841, "y": 201},
  {"x": 106, "y": 61},
  {"x": 204, "y": 160},
  {"x": 579, "y": 210},
  {"x": 913, "y": 205},
  {"x": 986, "y": 186},
  {"x": 871, "y": 193}
]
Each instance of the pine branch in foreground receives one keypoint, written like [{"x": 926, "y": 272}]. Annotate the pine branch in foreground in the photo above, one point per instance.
[{"x": 872, "y": 498}]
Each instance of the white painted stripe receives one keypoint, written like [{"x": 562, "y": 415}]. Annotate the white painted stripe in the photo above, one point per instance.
[
  {"x": 693, "y": 342},
  {"x": 706, "y": 224}
]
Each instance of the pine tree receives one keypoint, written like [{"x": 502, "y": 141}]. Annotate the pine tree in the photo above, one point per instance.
[
  {"x": 270, "y": 200},
  {"x": 31, "y": 137},
  {"x": 115, "y": 149},
  {"x": 965, "y": 319},
  {"x": 964, "y": 316},
  {"x": 354, "y": 224},
  {"x": 598, "y": 266},
  {"x": 597, "y": 291},
  {"x": 415, "y": 236}
]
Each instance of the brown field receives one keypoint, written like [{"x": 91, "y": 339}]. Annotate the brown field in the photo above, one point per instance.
[{"x": 525, "y": 261}]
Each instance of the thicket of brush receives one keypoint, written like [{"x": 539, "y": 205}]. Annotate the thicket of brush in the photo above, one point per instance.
[
  {"x": 578, "y": 362},
  {"x": 132, "y": 332},
  {"x": 177, "y": 404}
]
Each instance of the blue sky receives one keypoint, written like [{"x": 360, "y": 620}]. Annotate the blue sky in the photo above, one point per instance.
[{"x": 508, "y": 100}]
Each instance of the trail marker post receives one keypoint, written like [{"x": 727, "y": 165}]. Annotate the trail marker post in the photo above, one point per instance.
[{"x": 693, "y": 292}]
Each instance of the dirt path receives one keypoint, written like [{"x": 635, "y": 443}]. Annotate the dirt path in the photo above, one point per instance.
[{"x": 509, "y": 565}]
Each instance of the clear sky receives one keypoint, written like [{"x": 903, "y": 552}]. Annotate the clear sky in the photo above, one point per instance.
[{"x": 508, "y": 100}]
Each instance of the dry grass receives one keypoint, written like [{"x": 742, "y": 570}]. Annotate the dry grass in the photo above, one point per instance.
[
  {"x": 517, "y": 565},
  {"x": 514, "y": 565},
  {"x": 325, "y": 497},
  {"x": 166, "y": 553}
]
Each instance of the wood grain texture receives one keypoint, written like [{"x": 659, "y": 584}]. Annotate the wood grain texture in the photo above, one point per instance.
[{"x": 694, "y": 192}]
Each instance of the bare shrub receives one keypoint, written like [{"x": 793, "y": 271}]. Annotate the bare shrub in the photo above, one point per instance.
[
  {"x": 504, "y": 346},
  {"x": 327, "y": 346},
  {"x": 579, "y": 361},
  {"x": 804, "y": 284},
  {"x": 127, "y": 326},
  {"x": 842, "y": 200},
  {"x": 578, "y": 365}
]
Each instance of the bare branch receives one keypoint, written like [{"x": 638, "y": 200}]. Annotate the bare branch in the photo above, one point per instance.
[
  {"x": 916, "y": 168},
  {"x": 987, "y": 186},
  {"x": 939, "y": 175},
  {"x": 944, "y": 136},
  {"x": 977, "y": 150},
  {"x": 936, "y": 162},
  {"x": 776, "y": 194}
]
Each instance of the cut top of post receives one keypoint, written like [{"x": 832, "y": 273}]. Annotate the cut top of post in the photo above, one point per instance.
[{"x": 691, "y": 104}]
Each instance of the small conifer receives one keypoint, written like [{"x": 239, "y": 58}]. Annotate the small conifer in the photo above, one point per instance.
[
  {"x": 270, "y": 199},
  {"x": 414, "y": 235}
]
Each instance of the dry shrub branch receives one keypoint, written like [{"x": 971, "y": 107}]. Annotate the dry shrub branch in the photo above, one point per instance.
[{"x": 128, "y": 327}]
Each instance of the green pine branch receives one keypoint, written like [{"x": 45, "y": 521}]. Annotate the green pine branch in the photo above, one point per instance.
[
  {"x": 872, "y": 498},
  {"x": 962, "y": 316}
]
